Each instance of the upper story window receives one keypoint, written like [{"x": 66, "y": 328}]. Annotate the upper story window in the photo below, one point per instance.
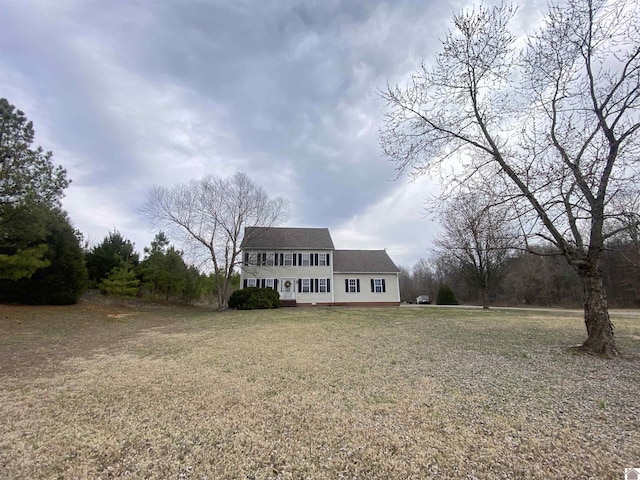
[
  {"x": 322, "y": 260},
  {"x": 252, "y": 259},
  {"x": 288, "y": 259},
  {"x": 271, "y": 259},
  {"x": 306, "y": 259}
]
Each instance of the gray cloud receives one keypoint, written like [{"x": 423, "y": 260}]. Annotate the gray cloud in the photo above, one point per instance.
[{"x": 132, "y": 94}]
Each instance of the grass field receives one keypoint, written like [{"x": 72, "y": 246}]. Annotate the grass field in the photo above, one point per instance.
[{"x": 106, "y": 391}]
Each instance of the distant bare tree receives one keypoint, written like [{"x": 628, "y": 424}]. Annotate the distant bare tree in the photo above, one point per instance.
[
  {"x": 210, "y": 215},
  {"x": 554, "y": 124},
  {"x": 424, "y": 279},
  {"x": 627, "y": 226},
  {"x": 407, "y": 289},
  {"x": 476, "y": 239},
  {"x": 419, "y": 280}
]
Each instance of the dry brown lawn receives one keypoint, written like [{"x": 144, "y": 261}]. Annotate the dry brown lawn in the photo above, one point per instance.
[{"x": 107, "y": 390}]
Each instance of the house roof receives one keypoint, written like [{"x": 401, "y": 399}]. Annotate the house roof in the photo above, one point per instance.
[
  {"x": 287, "y": 238},
  {"x": 363, "y": 261}
]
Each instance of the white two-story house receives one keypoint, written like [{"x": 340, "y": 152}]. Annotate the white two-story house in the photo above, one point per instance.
[{"x": 303, "y": 265}]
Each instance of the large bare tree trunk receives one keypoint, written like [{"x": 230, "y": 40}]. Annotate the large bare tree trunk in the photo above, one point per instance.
[
  {"x": 485, "y": 298},
  {"x": 600, "y": 338}
]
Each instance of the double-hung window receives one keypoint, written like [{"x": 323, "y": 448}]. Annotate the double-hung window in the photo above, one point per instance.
[
  {"x": 322, "y": 260},
  {"x": 288, "y": 259},
  {"x": 269, "y": 283},
  {"x": 322, "y": 285},
  {"x": 377, "y": 285},
  {"x": 306, "y": 285},
  {"x": 253, "y": 259},
  {"x": 252, "y": 282},
  {"x": 352, "y": 285},
  {"x": 306, "y": 259},
  {"x": 271, "y": 259}
]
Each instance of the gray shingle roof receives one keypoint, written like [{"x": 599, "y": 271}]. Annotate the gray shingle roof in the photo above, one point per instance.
[
  {"x": 363, "y": 261},
  {"x": 286, "y": 238}
]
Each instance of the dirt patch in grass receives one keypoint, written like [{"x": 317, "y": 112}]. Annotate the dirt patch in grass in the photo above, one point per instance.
[{"x": 105, "y": 391}]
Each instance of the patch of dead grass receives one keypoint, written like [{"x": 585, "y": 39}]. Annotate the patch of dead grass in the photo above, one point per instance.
[{"x": 316, "y": 393}]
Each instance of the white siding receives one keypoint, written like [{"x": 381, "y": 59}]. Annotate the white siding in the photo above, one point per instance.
[
  {"x": 392, "y": 293},
  {"x": 337, "y": 292},
  {"x": 280, "y": 272}
]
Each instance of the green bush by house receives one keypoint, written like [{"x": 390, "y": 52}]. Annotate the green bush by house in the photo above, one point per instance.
[{"x": 254, "y": 298}]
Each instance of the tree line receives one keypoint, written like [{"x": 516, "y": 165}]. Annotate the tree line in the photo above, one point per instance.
[
  {"x": 478, "y": 254},
  {"x": 42, "y": 256},
  {"x": 527, "y": 280},
  {"x": 162, "y": 275}
]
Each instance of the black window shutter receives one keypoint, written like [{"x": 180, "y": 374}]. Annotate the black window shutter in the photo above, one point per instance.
[
  {"x": 275, "y": 284},
  {"x": 299, "y": 259},
  {"x": 263, "y": 283},
  {"x": 372, "y": 286},
  {"x": 299, "y": 285},
  {"x": 246, "y": 259},
  {"x": 328, "y": 285},
  {"x": 346, "y": 285},
  {"x": 316, "y": 282},
  {"x": 294, "y": 259},
  {"x": 316, "y": 259},
  {"x": 358, "y": 285},
  {"x": 264, "y": 259},
  {"x": 244, "y": 283},
  {"x": 328, "y": 256},
  {"x": 384, "y": 288},
  {"x": 275, "y": 259}
]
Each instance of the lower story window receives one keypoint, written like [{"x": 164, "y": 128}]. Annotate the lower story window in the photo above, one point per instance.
[
  {"x": 322, "y": 285},
  {"x": 269, "y": 283},
  {"x": 306, "y": 285},
  {"x": 252, "y": 282},
  {"x": 352, "y": 285},
  {"x": 377, "y": 285}
]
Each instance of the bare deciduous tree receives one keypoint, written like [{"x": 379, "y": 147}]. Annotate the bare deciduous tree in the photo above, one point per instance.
[
  {"x": 553, "y": 123},
  {"x": 476, "y": 239},
  {"x": 210, "y": 215}
]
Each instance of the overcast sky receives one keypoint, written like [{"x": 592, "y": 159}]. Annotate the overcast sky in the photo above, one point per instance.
[{"x": 131, "y": 94}]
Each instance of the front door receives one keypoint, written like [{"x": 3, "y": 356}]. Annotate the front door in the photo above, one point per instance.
[{"x": 287, "y": 288}]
